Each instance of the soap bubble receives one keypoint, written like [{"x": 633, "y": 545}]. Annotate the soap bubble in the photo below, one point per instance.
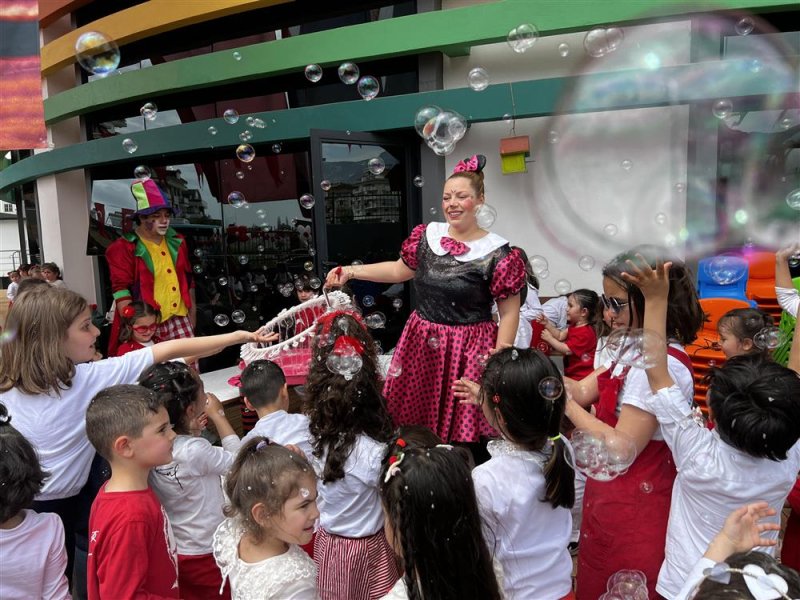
[
  {"x": 198, "y": 252},
  {"x": 637, "y": 348},
  {"x": 325, "y": 185},
  {"x": 397, "y": 303},
  {"x": 221, "y": 320},
  {"x": 348, "y": 73},
  {"x": 368, "y": 301},
  {"x": 253, "y": 287},
  {"x": 197, "y": 269},
  {"x": 433, "y": 211},
  {"x": 602, "y": 457},
  {"x": 245, "y": 153},
  {"x": 478, "y": 79},
  {"x": 769, "y": 338},
  {"x": 142, "y": 172},
  {"x": 610, "y": 230},
  {"x": 315, "y": 283},
  {"x": 313, "y": 73},
  {"x": 586, "y": 262},
  {"x": 222, "y": 280},
  {"x": 646, "y": 487},
  {"x": 538, "y": 264},
  {"x": 726, "y": 269},
  {"x": 442, "y": 131},
  {"x": 626, "y": 585},
  {"x": 212, "y": 130},
  {"x": 149, "y": 111},
  {"x": 237, "y": 199},
  {"x": 376, "y": 165},
  {"x": 544, "y": 274},
  {"x": 97, "y": 53},
  {"x": 286, "y": 289},
  {"x": 129, "y": 146},
  {"x": 237, "y": 55},
  {"x": 522, "y": 37},
  {"x": 786, "y": 123},
  {"x": 601, "y": 41},
  {"x": 486, "y": 215},
  {"x": 563, "y": 50},
  {"x": 722, "y": 108},
  {"x": 419, "y": 181},
  {"x": 231, "y": 116},
  {"x": 308, "y": 265},
  {"x": 276, "y": 148},
  {"x": 239, "y": 174},
  {"x": 433, "y": 342},
  {"x": 744, "y": 26},
  {"x": 424, "y": 116},
  {"x": 243, "y": 259},
  {"x": 307, "y": 201},
  {"x": 562, "y": 287},
  {"x": 661, "y": 219},
  {"x": 793, "y": 199},
  {"x": 345, "y": 362},
  {"x": 246, "y": 135},
  {"x": 368, "y": 87},
  {"x": 550, "y": 388},
  {"x": 259, "y": 123},
  {"x": 395, "y": 368},
  {"x": 376, "y": 320},
  {"x": 626, "y": 164},
  {"x": 553, "y": 137},
  {"x": 238, "y": 316}
]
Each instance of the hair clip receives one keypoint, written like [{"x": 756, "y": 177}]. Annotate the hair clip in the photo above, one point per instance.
[
  {"x": 555, "y": 438},
  {"x": 5, "y": 419},
  {"x": 394, "y": 466},
  {"x": 514, "y": 354},
  {"x": 496, "y": 398},
  {"x": 344, "y": 342},
  {"x": 760, "y": 585},
  {"x": 400, "y": 442},
  {"x": 128, "y": 311},
  {"x": 261, "y": 445}
]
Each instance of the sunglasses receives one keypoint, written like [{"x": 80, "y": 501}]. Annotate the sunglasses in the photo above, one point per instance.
[
  {"x": 145, "y": 328},
  {"x": 612, "y": 304}
]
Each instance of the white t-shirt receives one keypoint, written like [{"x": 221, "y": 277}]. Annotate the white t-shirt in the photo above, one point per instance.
[
  {"x": 11, "y": 291},
  {"x": 713, "y": 480},
  {"x": 56, "y": 425},
  {"x": 289, "y": 576},
  {"x": 555, "y": 310},
  {"x": 529, "y": 310},
  {"x": 190, "y": 488},
  {"x": 33, "y": 559},
  {"x": 527, "y": 536},
  {"x": 788, "y": 298},
  {"x": 283, "y": 428},
  {"x": 351, "y": 507}
]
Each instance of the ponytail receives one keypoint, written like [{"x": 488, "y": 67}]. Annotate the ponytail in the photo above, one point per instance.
[
  {"x": 559, "y": 476},
  {"x": 589, "y": 300}
]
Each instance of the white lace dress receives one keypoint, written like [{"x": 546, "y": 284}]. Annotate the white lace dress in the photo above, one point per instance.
[{"x": 290, "y": 576}]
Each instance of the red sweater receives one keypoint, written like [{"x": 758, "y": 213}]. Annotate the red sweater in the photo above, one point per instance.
[
  {"x": 582, "y": 342},
  {"x": 132, "y": 553}
]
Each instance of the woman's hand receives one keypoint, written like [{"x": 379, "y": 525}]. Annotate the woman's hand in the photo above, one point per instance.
[
  {"x": 654, "y": 283},
  {"x": 467, "y": 391},
  {"x": 338, "y": 277},
  {"x": 784, "y": 254}
]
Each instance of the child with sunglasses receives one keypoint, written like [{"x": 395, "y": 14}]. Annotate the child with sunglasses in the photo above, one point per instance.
[{"x": 139, "y": 322}]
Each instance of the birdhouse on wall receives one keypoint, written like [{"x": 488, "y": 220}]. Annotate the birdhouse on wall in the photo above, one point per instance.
[{"x": 513, "y": 152}]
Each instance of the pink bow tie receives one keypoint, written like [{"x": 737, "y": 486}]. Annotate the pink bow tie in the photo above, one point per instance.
[{"x": 454, "y": 247}]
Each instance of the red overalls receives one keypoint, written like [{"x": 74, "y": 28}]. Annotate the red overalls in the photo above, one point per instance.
[{"x": 624, "y": 522}]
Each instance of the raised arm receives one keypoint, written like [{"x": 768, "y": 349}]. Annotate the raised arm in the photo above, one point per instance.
[
  {"x": 794, "y": 352},
  {"x": 783, "y": 277}
]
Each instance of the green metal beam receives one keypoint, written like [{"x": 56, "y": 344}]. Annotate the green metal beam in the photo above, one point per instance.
[
  {"x": 451, "y": 31},
  {"x": 587, "y": 93}
]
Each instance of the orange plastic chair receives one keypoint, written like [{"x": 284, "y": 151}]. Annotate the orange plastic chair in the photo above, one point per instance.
[{"x": 761, "y": 282}]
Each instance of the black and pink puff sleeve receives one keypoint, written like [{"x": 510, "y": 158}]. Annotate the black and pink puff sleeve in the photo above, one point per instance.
[
  {"x": 408, "y": 251},
  {"x": 509, "y": 276}
]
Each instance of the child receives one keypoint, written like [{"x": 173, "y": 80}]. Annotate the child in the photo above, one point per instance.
[
  {"x": 11, "y": 290},
  {"x": 753, "y": 453},
  {"x": 31, "y": 544},
  {"x": 52, "y": 274},
  {"x": 46, "y": 370},
  {"x": 138, "y": 325},
  {"x": 624, "y": 521},
  {"x": 578, "y": 341},
  {"x": 263, "y": 386},
  {"x": 349, "y": 427},
  {"x": 433, "y": 523},
  {"x": 305, "y": 292},
  {"x": 525, "y": 491},
  {"x": 531, "y": 308},
  {"x": 132, "y": 550},
  {"x": 738, "y": 327},
  {"x": 189, "y": 486},
  {"x": 272, "y": 511}
]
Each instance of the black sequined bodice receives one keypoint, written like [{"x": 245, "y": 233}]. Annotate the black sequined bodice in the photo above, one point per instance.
[{"x": 451, "y": 292}]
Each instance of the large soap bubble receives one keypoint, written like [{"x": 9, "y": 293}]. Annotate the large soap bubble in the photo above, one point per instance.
[
  {"x": 726, "y": 269},
  {"x": 602, "y": 457},
  {"x": 638, "y": 348},
  {"x": 97, "y": 53}
]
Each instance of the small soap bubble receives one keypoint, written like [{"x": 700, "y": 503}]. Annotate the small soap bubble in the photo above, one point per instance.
[
  {"x": 315, "y": 283},
  {"x": 243, "y": 259},
  {"x": 626, "y": 164},
  {"x": 433, "y": 342},
  {"x": 129, "y": 146},
  {"x": 308, "y": 265},
  {"x": 245, "y": 153},
  {"x": 376, "y": 320},
  {"x": 395, "y": 368},
  {"x": 253, "y": 287},
  {"x": 348, "y": 73},
  {"x": 376, "y": 165},
  {"x": 313, "y": 73},
  {"x": 237, "y": 55},
  {"x": 539, "y": 264},
  {"x": 744, "y": 26},
  {"x": 793, "y": 199},
  {"x": 307, "y": 201},
  {"x": 212, "y": 130},
  {"x": 646, "y": 487},
  {"x": 522, "y": 37},
  {"x": 237, "y": 199},
  {"x": 794, "y": 260},
  {"x": 661, "y": 219},
  {"x": 397, "y": 303},
  {"x": 325, "y": 185},
  {"x": 259, "y": 123},
  {"x": 197, "y": 269},
  {"x": 239, "y": 174},
  {"x": 97, "y": 53},
  {"x": 231, "y": 116},
  {"x": 276, "y": 148},
  {"x": 553, "y": 137},
  {"x": 238, "y": 316},
  {"x": 563, "y": 50},
  {"x": 478, "y": 79},
  {"x": 611, "y": 230},
  {"x": 142, "y": 172},
  {"x": 586, "y": 262},
  {"x": 680, "y": 187},
  {"x": 198, "y": 252},
  {"x": 601, "y": 41},
  {"x": 562, "y": 287},
  {"x": 149, "y": 111},
  {"x": 786, "y": 123},
  {"x": 550, "y": 388},
  {"x": 722, "y": 108},
  {"x": 432, "y": 210},
  {"x": 486, "y": 216},
  {"x": 221, "y": 320},
  {"x": 768, "y": 338},
  {"x": 246, "y": 135},
  {"x": 223, "y": 281},
  {"x": 368, "y": 87},
  {"x": 368, "y": 301},
  {"x": 419, "y": 181}
]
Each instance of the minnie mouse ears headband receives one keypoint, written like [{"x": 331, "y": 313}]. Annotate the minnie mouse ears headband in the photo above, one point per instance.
[{"x": 474, "y": 164}]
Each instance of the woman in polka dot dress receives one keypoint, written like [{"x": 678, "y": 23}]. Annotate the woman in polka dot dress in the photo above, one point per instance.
[{"x": 458, "y": 270}]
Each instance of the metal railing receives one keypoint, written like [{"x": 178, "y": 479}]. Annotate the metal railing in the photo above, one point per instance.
[{"x": 9, "y": 261}]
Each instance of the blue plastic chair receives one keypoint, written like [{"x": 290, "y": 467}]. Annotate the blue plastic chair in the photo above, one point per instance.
[{"x": 714, "y": 273}]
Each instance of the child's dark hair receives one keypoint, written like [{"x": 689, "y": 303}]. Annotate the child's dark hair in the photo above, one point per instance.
[
  {"x": 418, "y": 436},
  {"x": 754, "y": 402},
  {"x": 685, "y": 316},
  {"x": 745, "y": 323},
  {"x": 262, "y": 382},
  {"x": 339, "y": 408},
  {"x": 736, "y": 587},
  {"x": 430, "y": 502},
  {"x": 265, "y": 473},
  {"x": 176, "y": 385},
  {"x": 511, "y": 385},
  {"x": 589, "y": 300},
  {"x": 136, "y": 311},
  {"x": 116, "y": 411},
  {"x": 530, "y": 278},
  {"x": 21, "y": 475}
]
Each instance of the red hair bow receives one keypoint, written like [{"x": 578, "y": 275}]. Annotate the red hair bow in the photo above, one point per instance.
[
  {"x": 344, "y": 343},
  {"x": 128, "y": 311},
  {"x": 468, "y": 164}
]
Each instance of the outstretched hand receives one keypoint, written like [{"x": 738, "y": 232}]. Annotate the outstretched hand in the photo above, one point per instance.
[
  {"x": 743, "y": 531},
  {"x": 336, "y": 278},
  {"x": 467, "y": 391},
  {"x": 784, "y": 254},
  {"x": 654, "y": 283},
  {"x": 261, "y": 336}
]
